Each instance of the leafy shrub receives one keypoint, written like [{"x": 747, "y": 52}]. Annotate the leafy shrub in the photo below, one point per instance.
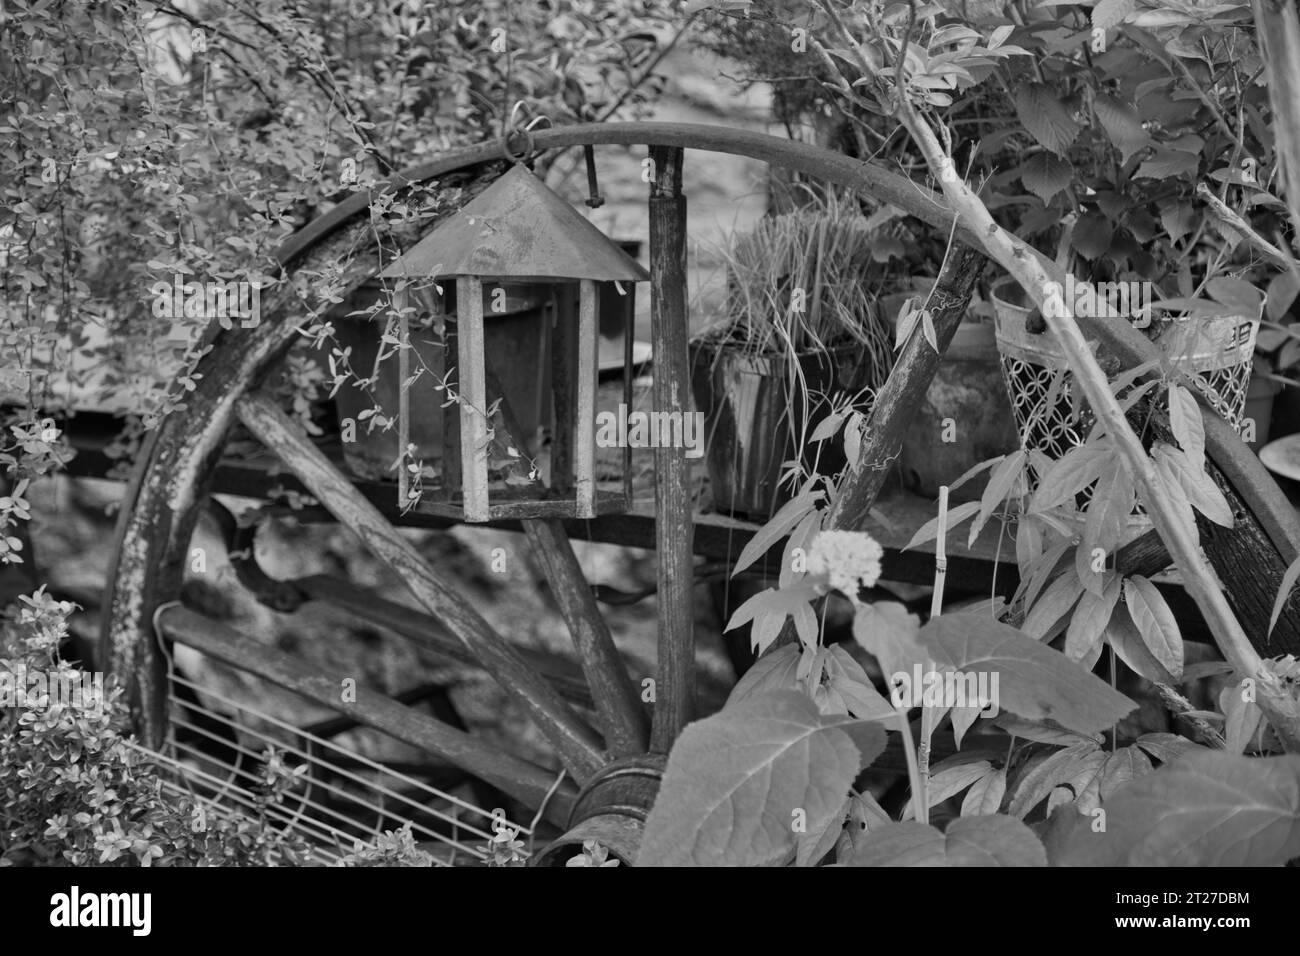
[{"x": 75, "y": 791}]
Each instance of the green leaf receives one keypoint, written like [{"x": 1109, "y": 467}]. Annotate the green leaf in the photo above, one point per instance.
[
  {"x": 1241, "y": 298},
  {"x": 969, "y": 841},
  {"x": 1167, "y": 164},
  {"x": 1178, "y": 218},
  {"x": 947, "y": 782},
  {"x": 1167, "y": 747},
  {"x": 1070, "y": 474},
  {"x": 1076, "y": 762},
  {"x": 1047, "y": 119},
  {"x": 1092, "y": 234},
  {"x": 887, "y": 630},
  {"x": 1155, "y": 623},
  {"x": 1284, "y": 592},
  {"x": 1177, "y": 496},
  {"x": 1105, "y": 522},
  {"x": 1282, "y": 291},
  {"x": 1201, "y": 491},
  {"x": 1125, "y": 640},
  {"x": 851, "y": 688},
  {"x": 1187, "y": 425},
  {"x": 1122, "y": 124},
  {"x": 811, "y": 847},
  {"x": 1034, "y": 681},
  {"x": 1208, "y": 808},
  {"x": 1046, "y": 174},
  {"x": 1111, "y": 13},
  {"x": 1001, "y": 483},
  {"x": 1089, "y": 621},
  {"x": 735, "y": 780},
  {"x": 1125, "y": 764},
  {"x": 985, "y": 796},
  {"x": 781, "y": 524},
  {"x": 771, "y": 672},
  {"x": 1052, "y": 606},
  {"x": 930, "y": 529},
  {"x": 768, "y": 610}
]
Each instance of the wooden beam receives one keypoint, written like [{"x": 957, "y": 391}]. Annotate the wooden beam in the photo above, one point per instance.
[
  {"x": 517, "y": 777},
  {"x": 617, "y": 703},
  {"x": 674, "y": 692},
  {"x": 470, "y": 357},
  {"x": 564, "y": 396},
  {"x": 575, "y": 743},
  {"x": 584, "y": 435}
]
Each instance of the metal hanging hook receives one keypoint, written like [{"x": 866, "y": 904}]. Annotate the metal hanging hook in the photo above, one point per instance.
[{"x": 595, "y": 200}]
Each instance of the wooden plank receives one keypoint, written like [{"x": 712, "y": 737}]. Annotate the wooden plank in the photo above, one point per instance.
[
  {"x": 450, "y": 363},
  {"x": 904, "y": 391},
  {"x": 575, "y": 743},
  {"x": 470, "y": 357},
  {"x": 617, "y": 702},
  {"x": 584, "y": 450},
  {"x": 515, "y": 776},
  {"x": 564, "y": 377},
  {"x": 674, "y": 530}
]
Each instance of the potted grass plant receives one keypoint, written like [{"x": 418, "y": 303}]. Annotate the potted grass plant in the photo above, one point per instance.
[{"x": 800, "y": 337}]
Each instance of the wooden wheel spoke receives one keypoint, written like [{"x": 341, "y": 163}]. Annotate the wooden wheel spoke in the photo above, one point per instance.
[
  {"x": 575, "y": 742},
  {"x": 515, "y": 776},
  {"x": 617, "y": 704}
]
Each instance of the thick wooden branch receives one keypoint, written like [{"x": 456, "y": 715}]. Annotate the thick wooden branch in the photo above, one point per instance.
[
  {"x": 1277, "y": 24},
  {"x": 905, "y": 389}
]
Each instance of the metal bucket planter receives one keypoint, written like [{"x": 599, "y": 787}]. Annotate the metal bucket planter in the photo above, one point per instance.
[
  {"x": 747, "y": 401},
  {"x": 1215, "y": 351},
  {"x": 516, "y": 342}
]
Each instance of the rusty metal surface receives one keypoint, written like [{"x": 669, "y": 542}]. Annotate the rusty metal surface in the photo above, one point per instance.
[{"x": 518, "y": 229}]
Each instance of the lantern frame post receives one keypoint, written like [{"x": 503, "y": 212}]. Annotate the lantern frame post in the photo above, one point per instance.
[
  {"x": 584, "y": 433},
  {"x": 471, "y": 375}
]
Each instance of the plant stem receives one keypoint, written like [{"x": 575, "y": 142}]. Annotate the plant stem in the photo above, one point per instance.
[{"x": 919, "y": 806}]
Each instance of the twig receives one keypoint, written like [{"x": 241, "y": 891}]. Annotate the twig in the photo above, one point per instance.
[{"x": 1226, "y": 215}]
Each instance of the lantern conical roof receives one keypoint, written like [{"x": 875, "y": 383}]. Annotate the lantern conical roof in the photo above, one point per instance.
[{"x": 517, "y": 228}]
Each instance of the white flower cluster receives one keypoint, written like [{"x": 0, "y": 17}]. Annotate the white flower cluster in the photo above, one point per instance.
[{"x": 848, "y": 559}]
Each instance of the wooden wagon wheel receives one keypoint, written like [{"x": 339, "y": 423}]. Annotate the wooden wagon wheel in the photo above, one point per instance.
[{"x": 615, "y": 771}]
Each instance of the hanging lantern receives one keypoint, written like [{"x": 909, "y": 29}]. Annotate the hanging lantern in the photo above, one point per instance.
[{"x": 519, "y": 237}]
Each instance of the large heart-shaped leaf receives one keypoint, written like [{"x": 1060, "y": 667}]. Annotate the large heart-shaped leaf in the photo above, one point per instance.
[
  {"x": 1208, "y": 808},
  {"x": 742, "y": 785},
  {"x": 1045, "y": 174},
  {"x": 1033, "y": 681},
  {"x": 969, "y": 841}
]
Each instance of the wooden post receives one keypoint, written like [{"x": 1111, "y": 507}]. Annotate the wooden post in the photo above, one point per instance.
[
  {"x": 674, "y": 529},
  {"x": 471, "y": 356},
  {"x": 584, "y": 436},
  {"x": 564, "y": 375},
  {"x": 403, "y": 396},
  {"x": 451, "y": 414}
]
